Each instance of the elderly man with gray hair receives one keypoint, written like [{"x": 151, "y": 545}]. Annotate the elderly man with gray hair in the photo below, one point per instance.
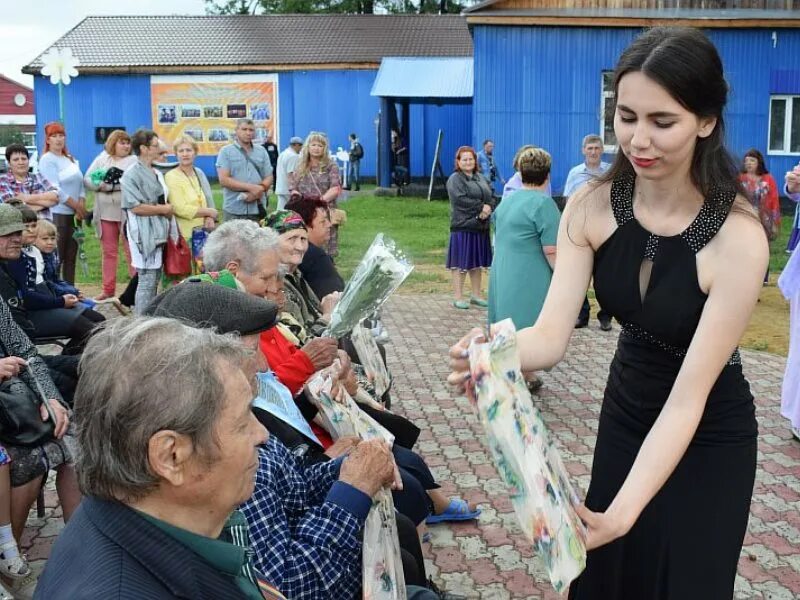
[
  {"x": 245, "y": 174},
  {"x": 167, "y": 451}
]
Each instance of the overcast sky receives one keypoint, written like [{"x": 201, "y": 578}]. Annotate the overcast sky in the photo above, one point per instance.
[{"x": 28, "y": 27}]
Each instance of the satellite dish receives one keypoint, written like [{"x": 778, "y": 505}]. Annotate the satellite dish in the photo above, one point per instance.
[{"x": 19, "y": 99}]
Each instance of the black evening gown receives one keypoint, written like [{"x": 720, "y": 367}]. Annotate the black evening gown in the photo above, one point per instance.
[{"x": 686, "y": 543}]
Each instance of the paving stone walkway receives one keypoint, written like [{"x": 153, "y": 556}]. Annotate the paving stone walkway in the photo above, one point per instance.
[{"x": 490, "y": 559}]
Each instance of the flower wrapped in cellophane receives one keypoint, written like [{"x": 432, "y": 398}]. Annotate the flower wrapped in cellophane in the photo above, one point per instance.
[
  {"x": 380, "y": 272},
  {"x": 382, "y": 567},
  {"x": 526, "y": 457},
  {"x": 367, "y": 350}
]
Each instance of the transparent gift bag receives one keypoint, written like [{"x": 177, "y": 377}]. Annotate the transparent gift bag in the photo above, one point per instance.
[
  {"x": 367, "y": 350},
  {"x": 526, "y": 457},
  {"x": 382, "y": 574}
]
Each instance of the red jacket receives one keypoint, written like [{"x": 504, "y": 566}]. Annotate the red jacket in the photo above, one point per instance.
[{"x": 291, "y": 366}]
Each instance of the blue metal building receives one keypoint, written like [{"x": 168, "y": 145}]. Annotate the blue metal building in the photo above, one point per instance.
[
  {"x": 432, "y": 94},
  {"x": 324, "y": 65},
  {"x": 542, "y": 76}
]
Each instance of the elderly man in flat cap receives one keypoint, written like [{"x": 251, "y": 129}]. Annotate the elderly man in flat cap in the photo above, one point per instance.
[
  {"x": 306, "y": 520},
  {"x": 167, "y": 452}
]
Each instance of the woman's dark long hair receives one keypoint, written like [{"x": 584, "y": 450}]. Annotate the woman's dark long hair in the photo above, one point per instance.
[
  {"x": 762, "y": 166},
  {"x": 684, "y": 62}
]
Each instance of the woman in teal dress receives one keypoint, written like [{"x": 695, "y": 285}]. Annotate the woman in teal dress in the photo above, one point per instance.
[{"x": 526, "y": 227}]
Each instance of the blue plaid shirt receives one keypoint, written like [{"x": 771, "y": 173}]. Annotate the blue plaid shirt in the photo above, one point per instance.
[{"x": 305, "y": 526}]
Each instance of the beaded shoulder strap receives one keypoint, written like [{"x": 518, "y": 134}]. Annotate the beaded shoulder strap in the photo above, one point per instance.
[
  {"x": 622, "y": 198},
  {"x": 709, "y": 220}
]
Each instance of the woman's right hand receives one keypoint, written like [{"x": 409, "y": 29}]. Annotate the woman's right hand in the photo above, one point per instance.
[
  {"x": 167, "y": 210},
  {"x": 793, "y": 180},
  {"x": 459, "y": 359},
  {"x": 70, "y": 300},
  {"x": 10, "y": 366}
]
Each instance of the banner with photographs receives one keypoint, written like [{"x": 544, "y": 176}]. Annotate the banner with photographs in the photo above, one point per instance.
[{"x": 206, "y": 107}]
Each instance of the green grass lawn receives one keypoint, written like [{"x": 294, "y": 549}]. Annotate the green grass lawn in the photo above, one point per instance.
[{"x": 419, "y": 227}]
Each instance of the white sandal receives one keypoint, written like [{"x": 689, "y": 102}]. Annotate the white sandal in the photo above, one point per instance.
[
  {"x": 5, "y": 594},
  {"x": 15, "y": 568}
]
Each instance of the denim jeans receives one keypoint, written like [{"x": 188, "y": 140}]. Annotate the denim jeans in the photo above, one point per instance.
[{"x": 353, "y": 177}]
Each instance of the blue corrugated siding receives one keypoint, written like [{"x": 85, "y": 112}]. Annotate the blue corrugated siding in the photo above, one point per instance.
[
  {"x": 93, "y": 101},
  {"x": 336, "y": 102},
  {"x": 426, "y": 120},
  {"x": 541, "y": 85}
]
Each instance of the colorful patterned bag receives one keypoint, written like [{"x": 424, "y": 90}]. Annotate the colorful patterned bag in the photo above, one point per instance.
[
  {"x": 382, "y": 577},
  {"x": 367, "y": 350},
  {"x": 526, "y": 457}
]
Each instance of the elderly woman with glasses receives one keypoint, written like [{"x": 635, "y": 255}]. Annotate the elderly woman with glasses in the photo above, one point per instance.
[
  {"x": 144, "y": 199},
  {"x": 317, "y": 176}
]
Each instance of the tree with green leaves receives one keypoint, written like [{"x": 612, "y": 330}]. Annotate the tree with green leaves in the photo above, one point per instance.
[
  {"x": 258, "y": 7},
  {"x": 11, "y": 134}
]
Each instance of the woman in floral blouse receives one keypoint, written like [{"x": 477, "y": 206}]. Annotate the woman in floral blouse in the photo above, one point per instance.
[
  {"x": 763, "y": 193},
  {"x": 317, "y": 176}
]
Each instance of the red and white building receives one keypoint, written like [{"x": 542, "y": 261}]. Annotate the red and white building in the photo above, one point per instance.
[{"x": 16, "y": 107}]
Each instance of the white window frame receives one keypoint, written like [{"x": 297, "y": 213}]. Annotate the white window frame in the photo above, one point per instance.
[
  {"x": 787, "y": 130},
  {"x": 606, "y": 102}
]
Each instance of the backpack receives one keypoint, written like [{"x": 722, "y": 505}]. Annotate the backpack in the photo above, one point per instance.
[{"x": 358, "y": 151}]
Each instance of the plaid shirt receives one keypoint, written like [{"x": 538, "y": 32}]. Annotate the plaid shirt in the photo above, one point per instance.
[
  {"x": 305, "y": 526},
  {"x": 34, "y": 183}
]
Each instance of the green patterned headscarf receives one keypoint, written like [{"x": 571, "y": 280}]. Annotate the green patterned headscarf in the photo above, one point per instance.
[
  {"x": 224, "y": 278},
  {"x": 284, "y": 220}
]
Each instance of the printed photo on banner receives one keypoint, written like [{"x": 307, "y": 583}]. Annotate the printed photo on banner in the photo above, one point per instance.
[
  {"x": 167, "y": 114},
  {"x": 260, "y": 112},
  {"x": 218, "y": 135},
  {"x": 195, "y": 134},
  {"x": 213, "y": 111},
  {"x": 237, "y": 111},
  {"x": 191, "y": 111},
  {"x": 206, "y": 107}
]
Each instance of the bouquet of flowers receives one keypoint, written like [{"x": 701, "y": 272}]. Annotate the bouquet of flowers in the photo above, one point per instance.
[
  {"x": 526, "y": 457},
  {"x": 382, "y": 574},
  {"x": 367, "y": 349},
  {"x": 380, "y": 272}
]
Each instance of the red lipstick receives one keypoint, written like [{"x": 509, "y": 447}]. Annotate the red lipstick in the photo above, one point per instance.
[{"x": 643, "y": 162}]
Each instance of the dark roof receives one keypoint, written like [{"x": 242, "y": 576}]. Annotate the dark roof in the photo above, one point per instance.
[
  {"x": 121, "y": 43},
  {"x": 11, "y": 83}
]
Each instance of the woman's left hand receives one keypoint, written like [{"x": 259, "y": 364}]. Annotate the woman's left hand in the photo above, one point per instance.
[{"x": 603, "y": 527}]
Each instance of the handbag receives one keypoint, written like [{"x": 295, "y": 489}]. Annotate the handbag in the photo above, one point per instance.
[
  {"x": 338, "y": 216},
  {"x": 262, "y": 210},
  {"x": 177, "y": 254},
  {"x": 21, "y": 422}
]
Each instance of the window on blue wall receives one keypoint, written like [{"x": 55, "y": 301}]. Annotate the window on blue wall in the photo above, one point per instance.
[
  {"x": 607, "y": 111},
  {"x": 784, "y": 125}
]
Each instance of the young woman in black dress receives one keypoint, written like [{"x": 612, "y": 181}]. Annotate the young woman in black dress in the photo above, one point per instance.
[{"x": 678, "y": 259}]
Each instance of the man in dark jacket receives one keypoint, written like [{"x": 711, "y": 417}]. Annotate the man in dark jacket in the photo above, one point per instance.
[{"x": 167, "y": 454}]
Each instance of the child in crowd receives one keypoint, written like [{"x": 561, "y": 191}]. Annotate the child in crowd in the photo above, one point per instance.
[
  {"x": 12, "y": 564},
  {"x": 53, "y": 311},
  {"x": 45, "y": 244}
]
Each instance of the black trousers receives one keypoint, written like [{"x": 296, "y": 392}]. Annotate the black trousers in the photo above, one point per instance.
[
  {"x": 584, "y": 314},
  {"x": 64, "y": 373}
]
